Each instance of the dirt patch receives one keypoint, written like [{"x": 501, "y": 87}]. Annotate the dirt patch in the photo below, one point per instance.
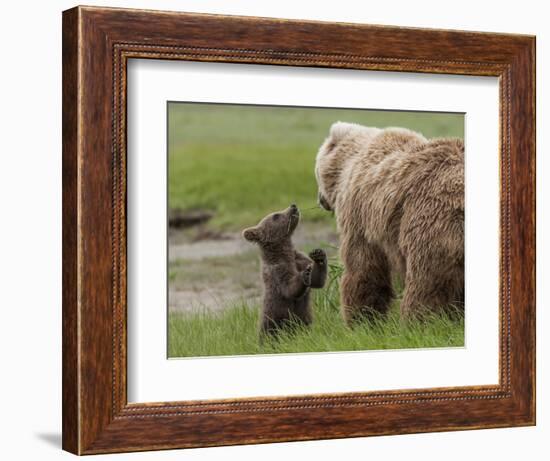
[
  {"x": 208, "y": 248},
  {"x": 213, "y": 274},
  {"x": 215, "y": 299},
  {"x": 204, "y": 243}
]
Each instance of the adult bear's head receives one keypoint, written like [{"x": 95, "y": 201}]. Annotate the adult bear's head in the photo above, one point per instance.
[{"x": 344, "y": 141}]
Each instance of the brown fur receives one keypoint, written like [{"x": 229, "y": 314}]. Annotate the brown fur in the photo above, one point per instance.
[
  {"x": 399, "y": 205},
  {"x": 287, "y": 274}
]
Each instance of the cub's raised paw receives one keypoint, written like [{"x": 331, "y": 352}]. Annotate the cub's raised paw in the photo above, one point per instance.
[
  {"x": 306, "y": 276},
  {"x": 319, "y": 256}
]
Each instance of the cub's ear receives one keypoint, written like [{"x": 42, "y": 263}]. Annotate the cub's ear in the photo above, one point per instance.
[{"x": 252, "y": 234}]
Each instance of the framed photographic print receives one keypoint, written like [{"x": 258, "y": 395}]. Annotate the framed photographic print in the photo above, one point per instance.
[{"x": 284, "y": 230}]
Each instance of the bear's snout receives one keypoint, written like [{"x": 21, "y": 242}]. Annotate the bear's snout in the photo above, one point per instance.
[
  {"x": 293, "y": 214},
  {"x": 323, "y": 202}
]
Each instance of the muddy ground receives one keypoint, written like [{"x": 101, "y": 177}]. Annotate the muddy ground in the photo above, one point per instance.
[{"x": 212, "y": 270}]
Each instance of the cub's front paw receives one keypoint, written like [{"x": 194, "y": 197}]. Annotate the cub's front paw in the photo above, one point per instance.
[
  {"x": 306, "y": 276},
  {"x": 319, "y": 256}
]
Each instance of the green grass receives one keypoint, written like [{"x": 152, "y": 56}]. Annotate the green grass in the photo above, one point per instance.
[
  {"x": 243, "y": 162},
  {"x": 234, "y": 331}
]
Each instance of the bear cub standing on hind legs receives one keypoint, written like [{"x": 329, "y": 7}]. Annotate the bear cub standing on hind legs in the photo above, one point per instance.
[{"x": 287, "y": 274}]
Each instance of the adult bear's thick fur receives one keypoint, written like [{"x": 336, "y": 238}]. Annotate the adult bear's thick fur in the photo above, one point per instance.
[{"x": 399, "y": 205}]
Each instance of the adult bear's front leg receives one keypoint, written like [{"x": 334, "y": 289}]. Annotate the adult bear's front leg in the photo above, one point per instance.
[{"x": 365, "y": 289}]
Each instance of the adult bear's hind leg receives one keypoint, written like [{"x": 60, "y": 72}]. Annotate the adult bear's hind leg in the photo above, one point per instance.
[
  {"x": 365, "y": 289},
  {"x": 434, "y": 282}
]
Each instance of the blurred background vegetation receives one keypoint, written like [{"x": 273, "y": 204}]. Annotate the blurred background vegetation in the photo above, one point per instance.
[{"x": 243, "y": 162}]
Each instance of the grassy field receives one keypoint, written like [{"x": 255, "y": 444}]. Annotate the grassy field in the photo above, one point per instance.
[
  {"x": 234, "y": 331},
  {"x": 242, "y": 162}
]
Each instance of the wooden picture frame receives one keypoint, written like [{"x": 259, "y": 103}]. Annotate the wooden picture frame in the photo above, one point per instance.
[{"x": 97, "y": 43}]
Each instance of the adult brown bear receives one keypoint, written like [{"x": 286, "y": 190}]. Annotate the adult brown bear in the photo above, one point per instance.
[{"x": 399, "y": 205}]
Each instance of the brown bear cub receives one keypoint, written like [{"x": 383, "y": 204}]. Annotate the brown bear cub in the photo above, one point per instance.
[{"x": 287, "y": 274}]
